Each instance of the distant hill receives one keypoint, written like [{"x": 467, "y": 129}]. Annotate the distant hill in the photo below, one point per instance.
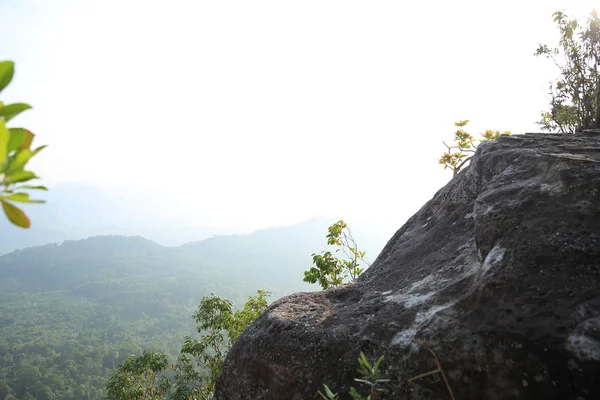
[
  {"x": 75, "y": 211},
  {"x": 70, "y": 312},
  {"x": 14, "y": 238}
]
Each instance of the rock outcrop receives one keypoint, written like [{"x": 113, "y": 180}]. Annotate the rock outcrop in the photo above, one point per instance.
[{"x": 499, "y": 274}]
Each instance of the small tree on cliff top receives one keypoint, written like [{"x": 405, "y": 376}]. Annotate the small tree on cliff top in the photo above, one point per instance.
[
  {"x": 575, "y": 96},
  {"x": 331, "y": 271},
  {"x": 464, "y": 146}
]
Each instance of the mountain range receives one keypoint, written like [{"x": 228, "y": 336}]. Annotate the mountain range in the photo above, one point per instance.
[{"x": 71, "y": 311}]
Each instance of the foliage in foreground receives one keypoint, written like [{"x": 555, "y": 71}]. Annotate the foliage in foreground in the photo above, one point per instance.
[
  {"x": 193, "y": 377},
  {"x": 331, "y": 271},
  {"x": 15, "y": 153},
  {"x": 369, "y": 376},
  {"x": 575, "y": 96},
  {"x": 464, "y": 146},
  {"x": 138, "y": 378}
]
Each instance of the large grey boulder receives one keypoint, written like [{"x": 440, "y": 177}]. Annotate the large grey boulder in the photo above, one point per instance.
[{"x": 499, "y": 274}]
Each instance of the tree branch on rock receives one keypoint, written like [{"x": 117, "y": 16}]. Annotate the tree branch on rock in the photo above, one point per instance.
[{"x": 457, "y": 155}]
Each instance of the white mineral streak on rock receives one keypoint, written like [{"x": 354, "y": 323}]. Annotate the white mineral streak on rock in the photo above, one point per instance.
[
  {"x": 584, "y": 347},
  {"x": 494, "y": 257}
]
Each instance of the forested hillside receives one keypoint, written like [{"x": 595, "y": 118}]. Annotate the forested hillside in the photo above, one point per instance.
[{"x": 71, "y": 313}]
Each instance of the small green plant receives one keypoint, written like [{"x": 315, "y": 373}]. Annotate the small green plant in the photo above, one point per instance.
[
  {"x": 370, "y": 377},
  {"x": 331, "y": 271},
  {"x": 15, "y": 153},
  {"x": 464, "y": 146},
  {"x": 329, "y": 395}
]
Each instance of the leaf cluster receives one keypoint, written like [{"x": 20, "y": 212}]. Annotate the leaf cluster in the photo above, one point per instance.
[
  {"x": 219, "y": 327},
  {"x": 369, "y": 376},
  {"x": 138, "y": 378},
  {"x": 15, "y": 153},
  {"x": 194, "y": 375},
  {"x": 575, "y": 95},
  {"x": 464, "y": 146}
]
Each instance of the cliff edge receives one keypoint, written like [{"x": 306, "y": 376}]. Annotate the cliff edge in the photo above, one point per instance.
[{"x": 499, "y": 274}]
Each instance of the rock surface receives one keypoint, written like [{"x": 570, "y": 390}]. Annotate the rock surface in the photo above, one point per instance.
[{"x": 499, "y": 274}]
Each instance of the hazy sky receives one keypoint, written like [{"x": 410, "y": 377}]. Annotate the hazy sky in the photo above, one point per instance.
[{"x": 261, "y": 113}]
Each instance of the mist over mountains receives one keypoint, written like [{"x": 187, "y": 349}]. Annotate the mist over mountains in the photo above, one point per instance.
[{"x": 76, "y": 211}]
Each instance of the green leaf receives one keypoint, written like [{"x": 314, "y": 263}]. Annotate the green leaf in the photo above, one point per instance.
[
  {"x": 38, "y": 149},
  {"x": 19, "y": 161},
  {"x": 20, "y": 138},
  {"x": 328, "y": 392},
  {"x": 21, "y": 198},
  {"x": 7, "y": 70},
  {"x": 362, "y": 360},
  {"x": 322, "y": 395},
  {"x": 21, "y": 176},
  {"x": 33, "y": 187},
  {"x": 15, "y": 215},
  {"x": 377, "y": 363},
  {"x": 4, "y": 133},
  {"x": 12, "y": 110},
  {"x": 355, "y": 395}
]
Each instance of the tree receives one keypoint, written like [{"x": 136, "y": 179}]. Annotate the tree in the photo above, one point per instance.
[
  {"x": 464, "y": 147},
  {"x": 330, "y": 271},
  {"x": 15, "y": 152},
  {"x": 219, "y": 327},
  {"x": 138, "y": 378},
  {"x": 575, "y": 96},
  {"x": 5, "y": 390}
]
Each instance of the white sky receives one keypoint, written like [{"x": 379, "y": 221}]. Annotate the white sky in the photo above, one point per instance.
[{"x": 261, "y": 113}]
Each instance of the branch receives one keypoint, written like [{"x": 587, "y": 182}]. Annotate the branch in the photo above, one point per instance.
[
  {"x": 459, "y": 166},
  {"x": 438, "y": 365}
]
